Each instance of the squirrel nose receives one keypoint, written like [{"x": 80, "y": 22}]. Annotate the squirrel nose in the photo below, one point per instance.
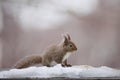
[{"x": 75, "y": 48}]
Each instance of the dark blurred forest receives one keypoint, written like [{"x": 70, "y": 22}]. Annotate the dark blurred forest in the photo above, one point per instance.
[{"x": 29, "y": 26}]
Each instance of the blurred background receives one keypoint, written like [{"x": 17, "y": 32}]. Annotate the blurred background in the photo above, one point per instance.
[{"x": 29, "y": 26}]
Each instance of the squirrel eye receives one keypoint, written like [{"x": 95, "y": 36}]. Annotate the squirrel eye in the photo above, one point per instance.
[{"x": 70, "y": 45}]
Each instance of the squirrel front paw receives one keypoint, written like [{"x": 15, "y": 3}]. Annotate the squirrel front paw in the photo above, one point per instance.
[{"x": 66, "y": 65}]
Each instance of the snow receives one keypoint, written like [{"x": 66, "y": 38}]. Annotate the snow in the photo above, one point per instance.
[{"x": 59, "y": 71}]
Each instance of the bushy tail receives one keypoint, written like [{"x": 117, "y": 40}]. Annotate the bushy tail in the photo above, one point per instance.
[{"x": 28, "y": 61}]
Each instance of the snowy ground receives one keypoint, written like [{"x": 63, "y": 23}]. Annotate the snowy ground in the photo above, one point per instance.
[{"x": 58, "y": 71}]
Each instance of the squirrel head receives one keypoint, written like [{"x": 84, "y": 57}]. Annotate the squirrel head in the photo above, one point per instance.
[{"x": 68, "y": 45}]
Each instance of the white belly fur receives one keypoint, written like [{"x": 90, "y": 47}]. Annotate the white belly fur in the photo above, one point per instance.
[{"x": 66, "y": 56}]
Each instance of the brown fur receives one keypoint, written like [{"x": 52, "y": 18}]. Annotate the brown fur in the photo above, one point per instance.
[
  {"x": 52, "y": 53},
  {"x": 28, "y": 61}
]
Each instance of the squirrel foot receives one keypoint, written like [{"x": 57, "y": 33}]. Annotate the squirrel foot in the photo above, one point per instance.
[{"x": 66, "y": 65}]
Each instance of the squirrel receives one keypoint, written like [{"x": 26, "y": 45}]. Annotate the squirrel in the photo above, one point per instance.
[{"x": 54, "y": 54}]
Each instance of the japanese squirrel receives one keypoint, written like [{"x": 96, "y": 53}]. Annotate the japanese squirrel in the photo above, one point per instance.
[{"x": 54, "y": 54}]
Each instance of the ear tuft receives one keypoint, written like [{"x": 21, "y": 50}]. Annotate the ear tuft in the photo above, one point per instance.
[
  {"x": 65, "y": 39},
  {"x": 68, "y": 36}
]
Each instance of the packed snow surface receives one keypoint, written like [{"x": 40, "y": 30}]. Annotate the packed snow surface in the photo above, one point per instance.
[{"x": 59, "y": 71}]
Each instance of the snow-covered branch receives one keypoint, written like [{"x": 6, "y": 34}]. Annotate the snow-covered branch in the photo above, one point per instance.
[{"x": 59, "y": 71}]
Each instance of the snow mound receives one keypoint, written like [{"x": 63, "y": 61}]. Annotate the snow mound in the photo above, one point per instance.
[{"x": 59, "y": 71}]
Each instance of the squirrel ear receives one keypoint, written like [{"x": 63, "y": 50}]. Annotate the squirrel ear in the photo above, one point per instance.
[
  {"x": 68, "y": 36},
  {"x": 65, "y": 39}
]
